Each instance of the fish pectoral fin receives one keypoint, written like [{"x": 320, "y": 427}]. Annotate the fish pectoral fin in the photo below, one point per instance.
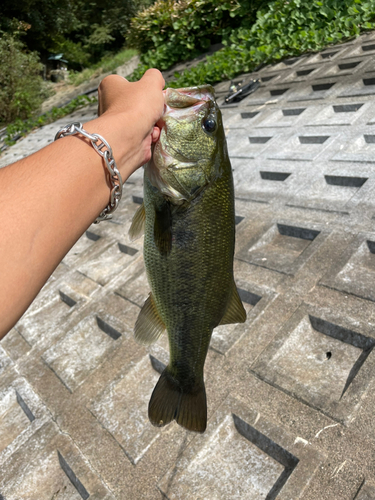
[
  {"x": 138, "y": 223},
  {"x": 149, "y": 326},
  {"x": 163, "y": 228},
  {"x": 235, "y": 312},
  {"x": 170, "y": 402}
]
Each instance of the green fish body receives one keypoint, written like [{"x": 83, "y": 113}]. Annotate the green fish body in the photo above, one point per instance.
[{"x": 188, "y": 218}]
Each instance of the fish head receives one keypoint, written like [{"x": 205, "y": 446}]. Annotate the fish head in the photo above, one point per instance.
[{"x": 189, "y": 153}]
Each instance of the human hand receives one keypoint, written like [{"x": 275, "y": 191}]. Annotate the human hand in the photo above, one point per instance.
[{"x": 128, "y": 113}]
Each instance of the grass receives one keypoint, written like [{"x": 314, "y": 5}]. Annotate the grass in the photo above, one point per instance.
[
  {"x": 20, "y": 128},
  {"x": 105, "y": 65}
]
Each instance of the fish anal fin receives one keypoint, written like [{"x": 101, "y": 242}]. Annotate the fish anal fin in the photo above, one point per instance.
[
  {"x": 149, "y": 326},
  {"x": 138, "y": 223},
  {"x": 169, "y": 401},
  {"x": 235, "y": 312},
  {"x": 163, "y": 228}
]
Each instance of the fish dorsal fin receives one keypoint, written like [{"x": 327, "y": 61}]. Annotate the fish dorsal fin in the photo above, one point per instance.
[
  {"x": 138, "y": 223},
  {"x": 163, "y": 228},
  {"x": 149, "y": 326},
  {"x": 235, "y": 312}
]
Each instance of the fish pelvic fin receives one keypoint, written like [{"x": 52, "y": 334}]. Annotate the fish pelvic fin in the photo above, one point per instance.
[
  {"x": 149, "y": 325},
  {"x": 138, "y": 223},
  {"x": 235, "y": 312},
  {"x": 169, "y": 401}
]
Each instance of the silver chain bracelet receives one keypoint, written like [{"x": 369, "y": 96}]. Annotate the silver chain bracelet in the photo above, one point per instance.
[{"x": 102, "y": 147}]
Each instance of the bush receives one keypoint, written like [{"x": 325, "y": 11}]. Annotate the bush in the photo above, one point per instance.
[
  {"x": 299, "y": 26},
  {"x": 21, "y": 86},
  {"x": 170, "y": 31},
  {"x": 283, "y": 29}
]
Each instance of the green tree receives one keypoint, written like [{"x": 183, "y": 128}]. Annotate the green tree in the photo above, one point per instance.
[
  {"x": 45, "y": 18},
  {"x": 83, "y": 31}
]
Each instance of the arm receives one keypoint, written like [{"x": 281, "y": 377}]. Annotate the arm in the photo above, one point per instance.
[{"x": 50, "y": 198}]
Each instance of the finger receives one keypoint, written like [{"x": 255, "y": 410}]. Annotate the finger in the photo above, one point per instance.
[
  {"x": 109, "y": 89},
  {"x": 153, "y": 77},
  {"x": 112, "y": 80},
  {"x": 155, "y": 134}
]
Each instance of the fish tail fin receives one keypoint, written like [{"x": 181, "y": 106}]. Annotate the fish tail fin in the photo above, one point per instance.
[
  {"x": 192, "y": 412},
  {"x": 169, "y": 401}
]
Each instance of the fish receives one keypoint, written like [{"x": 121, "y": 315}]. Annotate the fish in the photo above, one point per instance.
[{"x": 188, "y": 221}]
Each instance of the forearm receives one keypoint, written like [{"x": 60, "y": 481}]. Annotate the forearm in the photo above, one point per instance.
[{"x": 47, "y": 200}]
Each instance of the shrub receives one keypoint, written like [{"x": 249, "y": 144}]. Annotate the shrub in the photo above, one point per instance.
[
  {"x": 21, "y": 86},
  {"x": 299, "y": 26},
  {"x": 283, "y": 29},
  {"x": 171, "y": 31}
]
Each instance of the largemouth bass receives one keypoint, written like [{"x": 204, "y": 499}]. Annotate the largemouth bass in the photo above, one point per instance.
[{"x": 188, "y": 219}]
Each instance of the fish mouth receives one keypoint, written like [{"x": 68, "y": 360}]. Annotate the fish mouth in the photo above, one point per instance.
[
  {"x": 181, "y": 104},
  {"x": 188, "y": 97},
  {"x": 167, "y": 158}
]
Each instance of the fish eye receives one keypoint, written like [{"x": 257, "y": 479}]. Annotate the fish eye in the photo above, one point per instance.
[{"x": 209, "y": 124}]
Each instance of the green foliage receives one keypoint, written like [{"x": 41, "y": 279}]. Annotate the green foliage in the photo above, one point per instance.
[
  {"x": 21, "y": 87},
  {"x": 171, "y": 31},
  {"x": 22, "y": 127},
  {"x": 282, "y": 29},
  {"x": 107, "y": 64},
  {"x": 45, "y": 19},
  {"x": 302, "y": 26},
  {"x": 83, "y": 31},
  {"x": 74, "y": 52}
]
